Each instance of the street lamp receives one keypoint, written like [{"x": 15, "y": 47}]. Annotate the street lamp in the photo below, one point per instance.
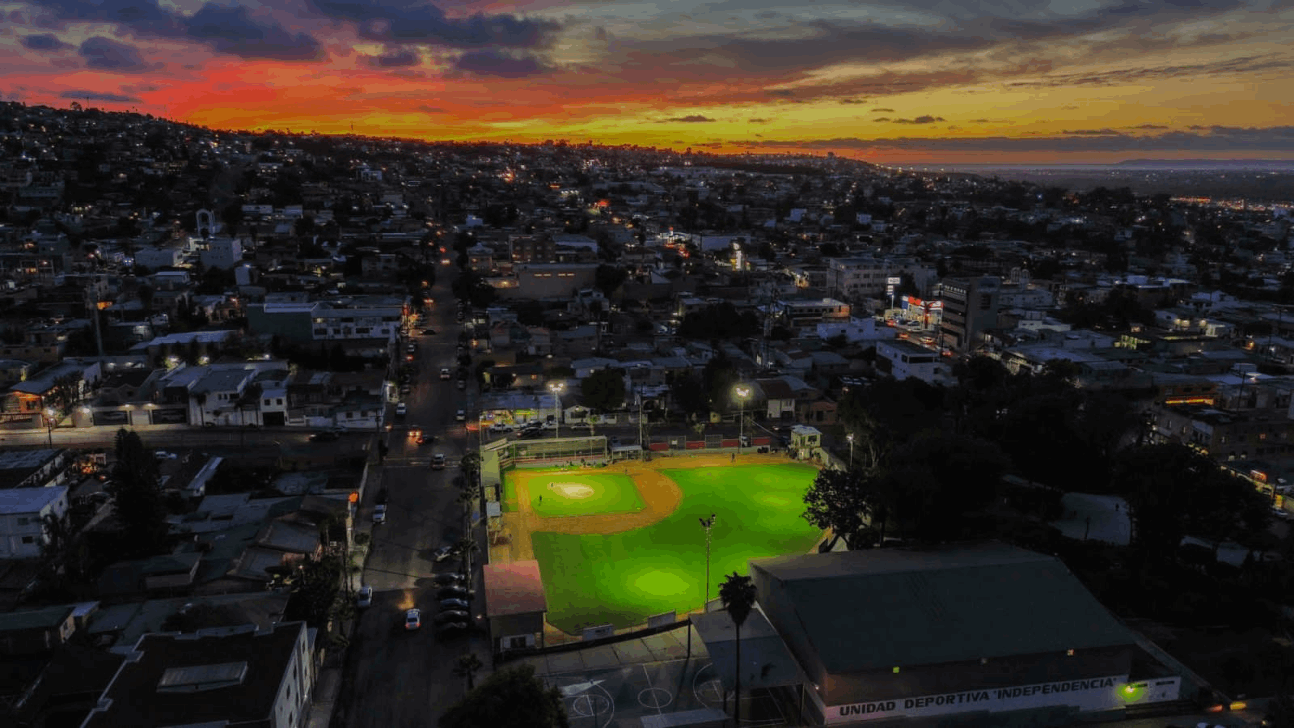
[
  {"x": 557, "y": 388},
  {"x": 743, "y": 393},
  {"x": 49, "y": 426},
  {"x": 850, "y": 438},
  {"x": 707, "y": 524}
]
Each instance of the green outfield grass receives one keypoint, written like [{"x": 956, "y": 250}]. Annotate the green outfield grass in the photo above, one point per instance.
[
  {"x": 612, "y": 492},
  {"x": 609, "y": 493},
  {"x": 622, "y": 579}
]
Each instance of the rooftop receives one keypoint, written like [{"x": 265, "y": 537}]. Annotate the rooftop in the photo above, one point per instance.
[
  {"x": 29, "y": 500},
  {"x": 867, "y": 610},
  {"x": 147, "y": 692}
]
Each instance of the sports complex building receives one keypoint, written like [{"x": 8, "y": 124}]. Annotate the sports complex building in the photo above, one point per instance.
[{"x": 986, "y": 634}]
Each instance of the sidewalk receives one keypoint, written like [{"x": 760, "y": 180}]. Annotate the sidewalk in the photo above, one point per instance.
[{"x": 328, "y": 680}]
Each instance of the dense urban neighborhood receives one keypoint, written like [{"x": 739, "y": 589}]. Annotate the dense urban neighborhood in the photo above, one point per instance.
[{"x": 275, "y": 408}]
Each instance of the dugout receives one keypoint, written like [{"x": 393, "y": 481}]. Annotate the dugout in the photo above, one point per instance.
[
  {"x": 515, "y": 604},
  {"x": 982, "y": 634}
]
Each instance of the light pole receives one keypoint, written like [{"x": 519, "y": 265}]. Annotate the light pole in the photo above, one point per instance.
[
  {"x": 850, "y": 438},
  {"x": 557, "y": 388},
  {"x": 707, "y": 524},
  {"x": 49, "y": 426},
  {"x": 743, "y": 393}
]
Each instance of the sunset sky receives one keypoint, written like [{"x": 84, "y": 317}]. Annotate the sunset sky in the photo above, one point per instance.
[{"x": 927, "y": 81}]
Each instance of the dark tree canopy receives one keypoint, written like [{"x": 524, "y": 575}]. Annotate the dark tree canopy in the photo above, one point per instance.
[
  {"x": 604, "y": 390},
  {"x": 513, "y": 697},
  {"x": 137, "y": 497}
]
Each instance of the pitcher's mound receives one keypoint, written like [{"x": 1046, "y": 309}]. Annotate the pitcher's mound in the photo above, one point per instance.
[{"x": 571, "y": 490}]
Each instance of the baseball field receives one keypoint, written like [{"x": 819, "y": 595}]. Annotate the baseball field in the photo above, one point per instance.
[{"x": 618, "y": 544}]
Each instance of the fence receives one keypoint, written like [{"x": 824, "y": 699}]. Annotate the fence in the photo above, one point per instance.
[{"x": 541, "y": 453}]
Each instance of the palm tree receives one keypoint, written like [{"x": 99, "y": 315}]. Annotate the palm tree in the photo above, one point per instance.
[
  {"x": 466, "y": 666},
  {"x": 738, "y": 596}
]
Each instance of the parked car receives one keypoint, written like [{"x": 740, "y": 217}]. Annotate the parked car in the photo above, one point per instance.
[
  {"x": 401, "y": 409},
  {"x": 365, "y": 597},
  {"x": 411, "y": 348},
  {"x": 447, "y": 577},
  {"x": 413, "y": 619},
  {"x": 458, "y": 604},
  {"x": 454, "y": 592},
  {"x": 499, "y": 427},
  {"x": 324, "y": 436},
  {"x": 460, "y": 416},
  {"x": 379, "y": 514},
  {"x": 428, "y": 332},
  {"x": 164, "y": 455},
  {"x": 452, "y": 615},
  {"x": 451, "y": 629},
  {"x": 438, "y": 461},
  {"x": 445, "y": 373},
  {"x": 442, "y": 553},
  {"x": 461, "y": 384}
]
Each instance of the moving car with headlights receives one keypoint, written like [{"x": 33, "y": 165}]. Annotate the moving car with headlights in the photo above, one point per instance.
[{"x": 413, "y": 619}]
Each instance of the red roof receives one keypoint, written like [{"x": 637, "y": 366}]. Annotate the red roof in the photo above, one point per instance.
[{"x": 514, "y": 588}]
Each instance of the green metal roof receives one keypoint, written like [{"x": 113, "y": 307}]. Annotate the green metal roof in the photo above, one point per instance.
[
  {"x": 866, "y": 610},
  {"x": 46, "y": 618}
]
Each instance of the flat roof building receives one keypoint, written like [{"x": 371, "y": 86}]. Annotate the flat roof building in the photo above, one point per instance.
[{"x": 911, "y": 635}]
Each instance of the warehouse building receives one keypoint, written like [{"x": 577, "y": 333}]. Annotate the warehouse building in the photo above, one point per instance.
[{"x": 986, "y": 634}]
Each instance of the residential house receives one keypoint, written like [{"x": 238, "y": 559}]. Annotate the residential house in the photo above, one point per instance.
[
  {"x": 36, "y": 631},
  {"x": 23, "y": 514},
  {"x": 223, "y": 676}
]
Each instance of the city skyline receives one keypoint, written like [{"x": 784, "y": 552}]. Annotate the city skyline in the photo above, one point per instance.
[{"x": 888, "y": 82}]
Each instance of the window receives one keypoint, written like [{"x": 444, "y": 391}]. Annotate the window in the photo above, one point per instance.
[
  {"x": 23, "y": 520},
  {"x": 278, "y": 400},
  {"x": 29, "y": 539}
]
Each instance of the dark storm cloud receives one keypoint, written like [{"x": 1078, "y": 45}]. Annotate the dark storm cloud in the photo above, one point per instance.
[
  {"x": 396, "y": 59},
  {"x": 141, "y": 17},
  {"x": 232, "y": 30},
  {"x": 882, "y": 111},
  {"x": 227, "y": 29},
  {"x": 1221, "y": 139},
  {"x": 689, "y": 119},
  {"x": 82, "y": 95},
  {"x": 106, "y": 54},
  {"x": 43, "y": 42},
  {"x": 919, "y": 120},
  {"x": 406, "y": 21},
  {"x": 500, "y": 65}
]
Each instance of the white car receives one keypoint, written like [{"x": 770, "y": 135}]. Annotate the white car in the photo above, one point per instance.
[
  {"x": 500, "y": 427},
  {"x": 401, "y": 409},
  {"x": 460, "y": 416},
  {"x": 444, "y": 373},
  {"x": 379, "y": 514},
  {"x": 413, "y": 619},
  {"x": 365, "y": 597}
]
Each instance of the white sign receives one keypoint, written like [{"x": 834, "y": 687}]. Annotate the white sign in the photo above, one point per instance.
[
  {"x": 893, "y": 281},
  {"x": 1098, "y": 693}
]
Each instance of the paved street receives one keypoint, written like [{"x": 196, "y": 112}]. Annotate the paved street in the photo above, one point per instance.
[{"x": 395, "y": 678}]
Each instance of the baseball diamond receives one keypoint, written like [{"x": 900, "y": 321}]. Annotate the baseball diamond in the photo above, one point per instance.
[{"x": 619, "y": 543}]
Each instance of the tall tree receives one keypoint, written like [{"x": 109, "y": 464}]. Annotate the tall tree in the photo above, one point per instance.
[
  {"x": 1168, "y": 487},
  {"x": 137, "y": 497},
  {"x": 737, "y": 593},
  {"x": 466, "y": 666},
  {"x": 513, "y": 697},
  {"x": 841, "y": 500},
  {"x": 604, "y": 390}
]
